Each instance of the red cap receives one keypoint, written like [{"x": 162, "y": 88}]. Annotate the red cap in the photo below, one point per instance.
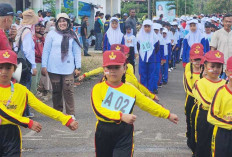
[
  {"x": 229, "y": 64},
  {"x": 113, "y": 57},
  {"x": 8, "y": 56},
  {"x": 197, "y": 46},
  {"x": 120, "y": 47},
  {"x": 196, "y": 53},
  {"x": 214, "y": 56}
]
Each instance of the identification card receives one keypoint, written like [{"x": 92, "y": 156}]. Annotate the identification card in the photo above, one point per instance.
[
  {"x": 145, "y": 46},
  {"x": 118, "y": 101}
]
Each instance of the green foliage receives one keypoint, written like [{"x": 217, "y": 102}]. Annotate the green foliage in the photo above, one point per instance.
[
  {"x": 51, "y": 5},
  {"x": 69, "y": 9},
  {"x": 219, "y": 6},
  {"x": 140, "y": 7},
  {"x": 179, "y": 5}
]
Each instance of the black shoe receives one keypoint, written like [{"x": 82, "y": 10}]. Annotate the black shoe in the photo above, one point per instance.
[
  {"x": 155, "y": 91},
  {"x": 164, "y": 83},
  {"x": 87, "y": 54}
]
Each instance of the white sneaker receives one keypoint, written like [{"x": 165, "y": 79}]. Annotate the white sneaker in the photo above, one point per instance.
[
  {"x": 73, "y": 117},
  {"x": 169, "y": 70}
]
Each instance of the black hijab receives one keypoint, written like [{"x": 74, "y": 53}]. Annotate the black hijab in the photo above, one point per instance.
[{"x": 67, "y": 34}]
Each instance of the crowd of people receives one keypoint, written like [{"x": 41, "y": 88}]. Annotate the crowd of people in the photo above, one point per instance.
[{"x": 49, "y": 50}]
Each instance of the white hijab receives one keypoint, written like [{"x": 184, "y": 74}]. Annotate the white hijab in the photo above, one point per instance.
[
  {"x": 194, "y": 37},
  {"x": 166, "y": 41},
  {"x": 147, "y": 37},
  {"x": 114, "y": 35}
]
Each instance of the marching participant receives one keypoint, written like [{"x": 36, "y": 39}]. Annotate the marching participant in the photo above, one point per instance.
[
  {"x": 148, "y": 46},
  {"x": 194, "y": 36},
  {"x": 13, "y": 99},
  {"x": 220, "y": 115},
  {"x": 112, "y": 102},
  {"x": 192, "y": 76},
  {"x": 113, "y": 35},
  {"x": 204, "y": 91}
]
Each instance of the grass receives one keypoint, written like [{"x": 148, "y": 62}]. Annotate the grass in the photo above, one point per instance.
[{"x": 92, "y": 62}]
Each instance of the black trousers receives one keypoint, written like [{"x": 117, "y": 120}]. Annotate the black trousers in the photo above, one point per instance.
[
  {"x": 188, "y": 109},
  {"x": 221, "y": 142},
  {"x": 131, "y": 57},
  {"x": 114, "y": 140},
  {"x": 192, "y": 141},
  {"x": 10, "y": 141},
  {"x": 204, "y": 135}
]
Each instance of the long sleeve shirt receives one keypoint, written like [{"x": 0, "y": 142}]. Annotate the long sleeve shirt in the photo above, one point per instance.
[
  {"x": 106, "y": 43},
  {"x": 12, "y": 114},
  {"x": 51, "y": 58},
  {"x": 99, "y": 98}
]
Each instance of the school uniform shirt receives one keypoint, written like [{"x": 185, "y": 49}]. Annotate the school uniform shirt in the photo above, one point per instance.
[
  {"x": 122, "y": 25},
  {"x": 99, "y": 97},
  {"x": 189, "y": 40},
  {"x": 106, "y": 25},
  {"x": 21, "y": 97},
  {"x": 204, "y": 91},
  {"x": 220, "y": 113},
  {"x": 191, "y": 81},
  {"x": 130, "y": 78},
  {"x": 130, "y": 41},
  {"x": 186, "y": 70},
  {"x": 207, "y": 41}
]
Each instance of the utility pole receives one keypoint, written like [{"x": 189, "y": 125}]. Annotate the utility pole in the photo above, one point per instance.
[{"x": 149, "y": 9}]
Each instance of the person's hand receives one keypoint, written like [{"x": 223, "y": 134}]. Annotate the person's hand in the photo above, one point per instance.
[
  {"x": 156, "y": 98},
  {"x": 77, "y": 72},
  {"x": 44, "y": 71},
  {"x": 36, "y": 127},
  {"x": 73, "y": 125},
  {"x": 34, "y": 72},
  {"x": 86, "y": 36},
  {"x": 173, "y": 118},
  {"x": 128, "y": 118},
  {"x": 81, "y": 77},
  {"x": 169, "y": 62},
  {"x": 162, "y": 62},
  {"x": 136, "y": 55}
]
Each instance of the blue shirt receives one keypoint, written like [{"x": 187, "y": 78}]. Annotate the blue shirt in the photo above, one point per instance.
[
  {"x": 51, "y": 58},
  {"x": 106, "y": 44}
]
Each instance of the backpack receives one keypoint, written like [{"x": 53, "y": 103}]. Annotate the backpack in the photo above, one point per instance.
[{"x": 26, "y": 65}]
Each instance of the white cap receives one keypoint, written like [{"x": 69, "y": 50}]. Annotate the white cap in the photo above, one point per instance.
[
  {"x": 165, "y": 30},
  {"x": 202, "y": 15},
  {"x": 214, "y": 18},
  {"x": 157, "y": 26},
  {"x": 192, "y": 21},
  {"x": 147, "y": 22}
]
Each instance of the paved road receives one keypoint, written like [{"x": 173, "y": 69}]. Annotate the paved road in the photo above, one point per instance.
[{"x": 154, "y": 137}]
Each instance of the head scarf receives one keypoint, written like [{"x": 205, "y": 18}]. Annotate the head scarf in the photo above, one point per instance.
[
  {"x": 194, "y": 37},
  {"x": 166, "y": 41},
  {"x": 67, "y": 34},
  {"x": 114, "y": 35},
  {"x": 150, "y": 37}
]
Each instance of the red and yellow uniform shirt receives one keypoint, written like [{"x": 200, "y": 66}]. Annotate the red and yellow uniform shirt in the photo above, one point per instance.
[
  {"x": 130, "y": 78},
  {"x": 100, "y": 95},
  {"x": 186, "y": 70},
  {"x": 12, "y": 114},
  {"x": 204, "y": 91},
  {"x": 191, "y": 81},
  {"x": 220, "y": 113}
]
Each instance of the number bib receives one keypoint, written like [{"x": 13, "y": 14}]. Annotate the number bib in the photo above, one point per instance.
[
  {"x": 145, "y": 46},
  {"x": 117, "y": 101}
]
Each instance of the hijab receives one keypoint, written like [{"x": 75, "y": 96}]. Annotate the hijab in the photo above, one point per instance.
[
  {"x": 67, "y": 34},
  {"x": 150, "y": 37},
  {"x": 114, "y": 35},
  {"x": 194, "y": 37},
  {"x": 166, "y": 41}
]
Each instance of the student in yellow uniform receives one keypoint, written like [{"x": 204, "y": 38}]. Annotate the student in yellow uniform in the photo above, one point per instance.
[
  {"x": 130, "y": 77},
  {"x": 191, "y": 77},
  {"x": 13, "y": 100},
  {"x": 187, "y": 68},
  {"x": 204, "y": 91},
  {"x": 112, "y": 102},
  {"x": 220, "y": 115}
]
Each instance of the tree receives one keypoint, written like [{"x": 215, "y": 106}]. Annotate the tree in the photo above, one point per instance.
[
  {"x": 219, "y": 6},
  {"x": 179, "y": 6}
]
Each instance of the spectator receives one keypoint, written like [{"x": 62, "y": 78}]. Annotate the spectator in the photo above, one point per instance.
[
  {"x": 107, "y": 23},
  {"x": 26, "y": 49},
  {"x": 39, "y": 43},
  {"x": 222, "y": 39},
  {"x": 131, "y": 20},
  {"x": 98, "y": 26},
  {"x": 20, "y": 14},
  {"x": 40, "y": 13},
  {"x": 48, "y": 16},
  {"x": 84, "y": 35},
  {"x": 6, "y": 19},
  {"x": 61, "y": 59}
]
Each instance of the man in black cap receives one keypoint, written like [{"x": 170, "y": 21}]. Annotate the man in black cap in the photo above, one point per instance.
[
  {"x": 6, "y": 19},
  {"x": 48, "y": 16}
]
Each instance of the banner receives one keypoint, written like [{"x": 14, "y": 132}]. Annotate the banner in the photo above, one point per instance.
[
  {"x": 83, "y": 9},
  {"x": 163, "y": 8}
]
